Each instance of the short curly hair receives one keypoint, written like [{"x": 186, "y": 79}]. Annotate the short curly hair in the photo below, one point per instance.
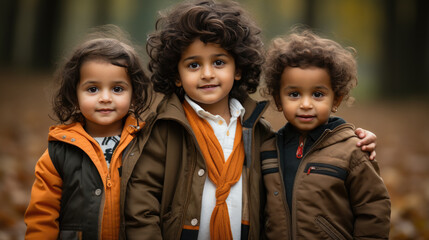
[
  {"x": 224, "y": 23},
  {"x": 65, "y": 103},
  {"x": 303, "y": 48}
]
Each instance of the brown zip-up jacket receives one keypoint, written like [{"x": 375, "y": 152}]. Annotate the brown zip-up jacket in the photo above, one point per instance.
[
  {"x": 163, "y": 188},
  {"x": 337, "y": 194}
]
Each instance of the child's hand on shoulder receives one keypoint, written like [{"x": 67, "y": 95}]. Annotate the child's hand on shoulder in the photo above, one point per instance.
[{"x": 367, "y": 142}]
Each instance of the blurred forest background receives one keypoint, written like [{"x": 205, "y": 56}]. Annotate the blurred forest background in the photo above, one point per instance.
[{"x": 391, "y": 38}]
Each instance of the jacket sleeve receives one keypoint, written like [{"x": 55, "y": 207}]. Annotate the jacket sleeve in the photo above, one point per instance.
[
  {"x": 43, "y": 210},
  {"x": 144, "y": 190},
  {"x": 369, "y": 199}
]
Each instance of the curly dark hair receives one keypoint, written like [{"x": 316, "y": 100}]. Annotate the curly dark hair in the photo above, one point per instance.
[
  {"x": 303, "y": 48},
  {"x": 65, "y": 102},
  {"x": 224, "y": 23}
]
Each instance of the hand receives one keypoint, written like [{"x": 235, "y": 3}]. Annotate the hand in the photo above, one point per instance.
[{"x": 367, "y": 142}]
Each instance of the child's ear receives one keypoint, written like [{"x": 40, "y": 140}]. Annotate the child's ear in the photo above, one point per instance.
[
  {"x": 278, "y": 103},
  {"x": 337, "y": 102},
  {"x": 237, "y": 75},
  {"x": 178, "y": 83}
]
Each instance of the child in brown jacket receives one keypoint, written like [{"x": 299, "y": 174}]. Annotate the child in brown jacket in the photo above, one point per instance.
[{"x": 319, "y": 184}]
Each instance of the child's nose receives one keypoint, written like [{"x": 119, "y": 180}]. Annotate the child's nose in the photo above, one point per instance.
[
  {"x": 106, "y": 96},
  {"x": 306, "y": 103},
  {"x": 207, "y": 72}
]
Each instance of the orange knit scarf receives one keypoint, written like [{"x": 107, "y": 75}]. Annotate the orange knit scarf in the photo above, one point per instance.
[{"x": 222, "y": 174}]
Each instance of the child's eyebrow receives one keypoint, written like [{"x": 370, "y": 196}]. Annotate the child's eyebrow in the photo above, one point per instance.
[
  {"x": 322, "y": 87},
  {"x": 191, "y": 58},
  {"x": 290, "y": 87},
  {"x": 220, "y": 55},
  {"x": 91, "y": 82},
  {"x": 198, "y": 57}
]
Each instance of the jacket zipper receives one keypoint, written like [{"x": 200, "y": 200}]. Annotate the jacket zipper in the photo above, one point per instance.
[
  {"x": 293, "y": 220},
  {"x": 109, "y": 187},
  {"x": 300, "y": 149},
  {"x": 326, "y": 169}
]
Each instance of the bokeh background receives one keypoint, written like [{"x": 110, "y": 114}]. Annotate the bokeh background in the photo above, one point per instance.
[{"x": 391, "y": 38}]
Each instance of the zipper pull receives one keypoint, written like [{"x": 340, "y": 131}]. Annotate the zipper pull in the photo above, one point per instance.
[
  {"x": 300, "y": 149},
  {"x": 108, "y": 182},
  {"x": 309, "y": 170}
]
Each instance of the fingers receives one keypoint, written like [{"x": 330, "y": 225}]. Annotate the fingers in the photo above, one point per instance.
[
  {"x": 368, "y": 142},
  {"x": 370, "y": 148},
  {"x": 372, "y": 156},
  {"x": 366, "y": 137},
  {"x": 360, "y": 132}
]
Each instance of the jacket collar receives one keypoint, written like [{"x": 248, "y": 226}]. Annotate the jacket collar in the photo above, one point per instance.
[
  {"x": 335, "y": 125},
  {"x": 171, "y": 108},
  {"x": 76, "y": 129}
]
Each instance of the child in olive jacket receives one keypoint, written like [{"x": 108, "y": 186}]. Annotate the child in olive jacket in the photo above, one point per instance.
[{"x": 319, "y": 184}]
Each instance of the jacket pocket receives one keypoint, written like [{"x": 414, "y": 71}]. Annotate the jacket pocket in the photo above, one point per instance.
[
  {"x": 328, "y": 228},
  {"x": 326, "y": 169}
]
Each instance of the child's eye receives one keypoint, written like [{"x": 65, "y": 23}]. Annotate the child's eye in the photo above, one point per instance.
[
  {"x": 118, "y": 89},
  {"x": 92, "y": 89},
  {"x": 193, "y": 65},
  {"x": 218, "y": 63},
  {"x": 293, "y": 94},
  {"x": 318, "y": 94}
]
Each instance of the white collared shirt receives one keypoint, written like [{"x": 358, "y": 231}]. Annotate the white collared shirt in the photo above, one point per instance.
[{"x": 225, "y": 135}]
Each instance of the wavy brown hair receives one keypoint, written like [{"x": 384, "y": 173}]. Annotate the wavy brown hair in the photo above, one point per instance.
[
  {"x": 224, "y": 23},
  {"x": 118, "y": 53},
  {"x": 302, "y": 48}
]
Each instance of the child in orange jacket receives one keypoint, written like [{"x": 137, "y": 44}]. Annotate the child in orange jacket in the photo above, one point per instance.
[{"x": 75, "y": 194}]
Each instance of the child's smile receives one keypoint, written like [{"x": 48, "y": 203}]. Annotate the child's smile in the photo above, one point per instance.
[
  {"x": 209, "y": 87},
  {"x": 305, "y": 118}
]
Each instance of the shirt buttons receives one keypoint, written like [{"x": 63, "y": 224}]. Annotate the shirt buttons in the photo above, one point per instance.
[
  {"x": 220, "y": 122},
  {"x": 97, "y": 192},
  {"x": 227, "y": 132},
  {"x": 72, "y": 139},
  {"x": 131, "y": 154},
  {"x": 276, "y": 193},
  {"x": 194, "y": 222},
  {"x": 201, "y": 172},
  {"x": 64, "y": 136}
]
